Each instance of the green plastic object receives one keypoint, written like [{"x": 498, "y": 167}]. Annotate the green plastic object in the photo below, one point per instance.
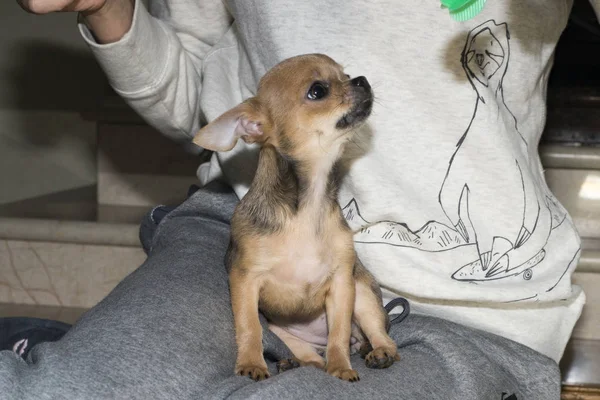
[{"x": 463, "y": 10}]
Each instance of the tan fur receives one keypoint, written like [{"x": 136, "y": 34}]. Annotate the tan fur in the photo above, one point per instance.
[{"x": 292, "y": 254}]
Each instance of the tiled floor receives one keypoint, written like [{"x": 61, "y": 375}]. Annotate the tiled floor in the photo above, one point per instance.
[{"x": 62, "y": 274}]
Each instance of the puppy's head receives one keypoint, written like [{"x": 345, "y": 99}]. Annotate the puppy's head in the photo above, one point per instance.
[{"x": 304, "y": 106}]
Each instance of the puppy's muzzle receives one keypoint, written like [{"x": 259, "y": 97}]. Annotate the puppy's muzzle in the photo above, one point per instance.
[{"x": 362, "y": 99}]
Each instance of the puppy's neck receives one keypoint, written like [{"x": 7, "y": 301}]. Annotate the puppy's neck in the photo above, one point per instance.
[
  {"x": 288, "y": 185},
  {"x": 315, "y": 181}
]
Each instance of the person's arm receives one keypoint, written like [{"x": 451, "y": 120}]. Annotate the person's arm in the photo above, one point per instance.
[
  {"x": 109, "y": 19},
  {"x": 156, "y": 64},
  {"x": 110, "y": 22}
]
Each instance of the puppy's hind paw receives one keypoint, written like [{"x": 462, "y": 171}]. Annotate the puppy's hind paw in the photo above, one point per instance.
[
  {"x": 349, "y": 375},
  {"x": 286, "y": 364},
  {"x": 381, "y": 358},
  {"x": 258, "y": 373}
]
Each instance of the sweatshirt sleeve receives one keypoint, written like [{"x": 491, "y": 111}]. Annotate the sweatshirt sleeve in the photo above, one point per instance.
[{"x": 157, "y": 65}]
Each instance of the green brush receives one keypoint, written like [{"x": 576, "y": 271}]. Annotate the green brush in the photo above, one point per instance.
[{"x": 463, "y": 10}]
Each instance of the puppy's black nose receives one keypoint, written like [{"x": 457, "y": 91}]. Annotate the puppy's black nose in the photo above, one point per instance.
[{"x": 361, "y": 81}]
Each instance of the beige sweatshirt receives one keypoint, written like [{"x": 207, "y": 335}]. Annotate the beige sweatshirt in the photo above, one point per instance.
[{"x": 449, "y": 203}]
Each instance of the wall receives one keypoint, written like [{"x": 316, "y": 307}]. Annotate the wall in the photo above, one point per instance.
[{"x": 47, "y": 78}]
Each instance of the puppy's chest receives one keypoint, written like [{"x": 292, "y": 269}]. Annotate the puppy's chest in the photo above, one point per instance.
[
  {"x": 303, "y": 256},
  {"x": 298, "y": 266},
  {"x": 307, "y": 252}
]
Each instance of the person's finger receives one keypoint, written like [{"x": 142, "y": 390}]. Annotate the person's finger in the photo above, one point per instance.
[
  {"x": 84, "y": 5},
  {"x": 48, "y": 6},
  {"x": 43, "y": 6}
]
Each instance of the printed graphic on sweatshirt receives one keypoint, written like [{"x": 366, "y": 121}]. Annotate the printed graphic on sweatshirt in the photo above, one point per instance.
[{"x": 506, "y": 248}]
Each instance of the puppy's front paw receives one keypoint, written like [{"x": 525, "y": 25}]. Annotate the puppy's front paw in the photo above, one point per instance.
[
  {"x": 256, "y": 372},
  {"x": 381, "y": 358},
  {"x": 345, "y": 374}
]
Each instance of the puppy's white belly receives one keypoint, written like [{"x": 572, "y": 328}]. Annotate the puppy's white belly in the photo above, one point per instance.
[{"x": 315, "y": 333}]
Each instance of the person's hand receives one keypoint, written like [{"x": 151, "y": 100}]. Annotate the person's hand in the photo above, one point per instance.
[
  {"x": 49, "y": 6},
  {"x": 109, "y": 20}
]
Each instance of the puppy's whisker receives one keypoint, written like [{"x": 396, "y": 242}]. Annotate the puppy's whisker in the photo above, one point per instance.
[
  {"x": 354, "y": 142},
  {"x": 346, "y": 66},
  {"x": 334, "y": 109},
  {"x": 321, "y": 145},
  {"x": 348, "y": 133},
  {"x": 380, "y": 103},
  {"x": 375, "y": 84}
]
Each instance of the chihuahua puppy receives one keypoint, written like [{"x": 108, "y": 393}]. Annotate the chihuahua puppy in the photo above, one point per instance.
[{"x": 291, "y": 253}]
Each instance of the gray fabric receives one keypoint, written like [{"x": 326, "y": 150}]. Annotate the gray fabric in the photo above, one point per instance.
[{"x": 166, "y": 332}]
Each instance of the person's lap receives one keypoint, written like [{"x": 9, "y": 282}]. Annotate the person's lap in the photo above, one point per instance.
[{"x": 166, "y": 331}]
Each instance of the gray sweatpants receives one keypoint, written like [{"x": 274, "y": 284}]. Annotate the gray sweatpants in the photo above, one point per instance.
[{"x": 166, "y": 332}]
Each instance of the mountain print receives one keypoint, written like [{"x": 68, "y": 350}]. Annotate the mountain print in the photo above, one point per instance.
[{"x": 433, "y": 236}]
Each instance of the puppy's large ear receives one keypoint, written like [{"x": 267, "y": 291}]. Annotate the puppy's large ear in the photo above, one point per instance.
[{"x": 244, "y": 121}]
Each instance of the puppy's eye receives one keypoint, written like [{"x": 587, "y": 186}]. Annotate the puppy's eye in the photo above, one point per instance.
[{"x": 317, "y": 91}]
